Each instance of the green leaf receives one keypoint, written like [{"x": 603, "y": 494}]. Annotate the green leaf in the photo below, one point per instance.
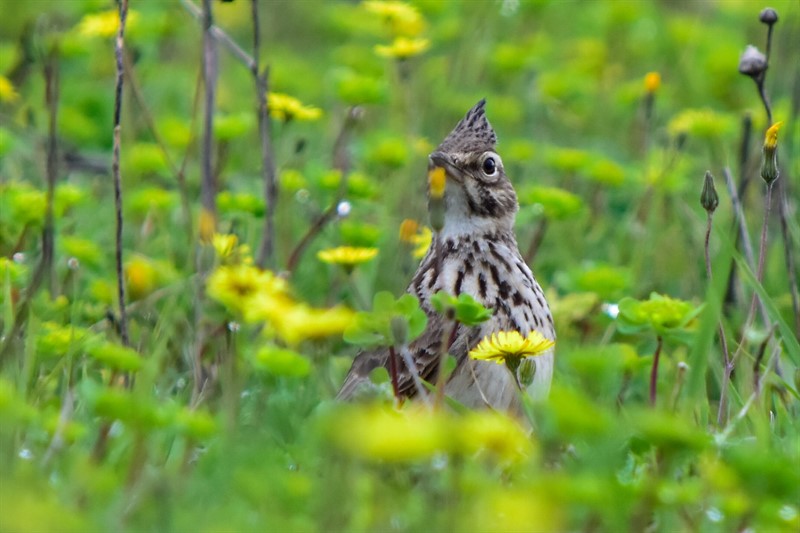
[
  {"x": 282, "y": 362},
  {"x": 116, "y": 356}
]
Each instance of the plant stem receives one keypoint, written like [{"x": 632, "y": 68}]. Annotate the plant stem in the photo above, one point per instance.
[
  {"x": 536, "y": 240},
  {"x": 266, "y": 250},
  {"x": 726, "y": 356},
  {"x": 119, "y": 50},
  {"x": 654, "y": 370},
  {"x": 208, "y": 186},
  {"x": 393, "y": 372}
]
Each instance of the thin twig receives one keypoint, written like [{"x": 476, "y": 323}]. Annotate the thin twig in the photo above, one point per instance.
[
  {"x": 266, "y": 253},
  {"x": 760, "y": 357},
  {"x": 393, "y": 372},
  {"x": 756, "y": 298},
  {"x": 119, "y": 51},
  {"x": 788, "y": 247},
  {"x": 51, "y": 74},
  {"x": 208, "y": 188},
  {"x": 726, "y": 356},
  {"x": 743, "y": 231},
  {"x": 221, "y": 36},
  {"x": 654, "y": 371}
]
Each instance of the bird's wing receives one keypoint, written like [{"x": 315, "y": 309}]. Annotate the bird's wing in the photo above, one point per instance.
[{"x": 424, "y": 353}]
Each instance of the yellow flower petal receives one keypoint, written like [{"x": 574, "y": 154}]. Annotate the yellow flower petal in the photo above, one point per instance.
[
  {"x": 347, "y": 255},
  {"x": 504, "y": 344},
  {"x": 403, "y": 48},
  {"x": 771, "y": 138}
]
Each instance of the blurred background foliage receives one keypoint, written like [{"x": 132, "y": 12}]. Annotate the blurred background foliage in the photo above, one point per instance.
[{"x": 607, "y": 113}]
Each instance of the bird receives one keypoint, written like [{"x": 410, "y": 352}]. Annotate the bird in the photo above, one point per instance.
[{"x": 479, "y": 257}]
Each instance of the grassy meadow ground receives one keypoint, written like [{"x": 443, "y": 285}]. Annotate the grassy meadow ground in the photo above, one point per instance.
[{"x": 208, "y": 405}]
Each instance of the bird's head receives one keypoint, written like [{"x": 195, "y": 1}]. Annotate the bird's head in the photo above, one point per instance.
[{"x": 478, "y": 194}]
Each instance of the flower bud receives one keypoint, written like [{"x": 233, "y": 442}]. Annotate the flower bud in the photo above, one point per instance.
[
  {"x": 768, "y": 16},
  {"x": 769, "y": 163},
  {"x": 709, "y": 198},
  {"x": 752, "y": 63},
  {"x": 652, "y": 81}
]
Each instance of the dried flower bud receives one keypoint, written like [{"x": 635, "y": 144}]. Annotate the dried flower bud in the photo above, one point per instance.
[
  {"x": 752, "y": 63},
  {"x": 709, "y": 198},
  {"x": 768, "y": 16},
  {"x": 769, "y": 164}
]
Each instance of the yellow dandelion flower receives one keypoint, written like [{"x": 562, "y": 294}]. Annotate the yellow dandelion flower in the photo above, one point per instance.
[
  {"x": 402, "y": 18},
  {"x": 423, "y": 241},
  {"x": 771, "y": 138},
  {"x": 104, "y": 24},
  {"x": 379, "y": 433},
  {"x": 141, "y": 277},
  {"x": 236, "y": 286},
  {"x": 403, "y": 48},
  {"x": 8, "y": 94},
  {"x": 436, "y": 182},
  {"x": 224, "y": 244},
  {"x": 286, "y": 108},
  {"x": 347, "y": 256},
  {"x": 495, "y": 433},
  {"x": 510, "y": 344},
  {"x": 300, "y": 322},
  {"x": 652, "y": 82}
]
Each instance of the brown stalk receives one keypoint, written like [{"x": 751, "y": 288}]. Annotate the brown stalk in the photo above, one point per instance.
[
  {"x": 266, "y": 253},
  {"x": 208, "y": 184},
  {"x": 726, "y": 356},
  {"x": 654, "y": 370},
  {"x": 119, "y": 51},
  {"x": 221, "y": 36}
]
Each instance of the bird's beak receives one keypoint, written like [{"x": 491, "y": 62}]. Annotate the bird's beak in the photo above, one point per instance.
[{"x": 443, "y": 160}]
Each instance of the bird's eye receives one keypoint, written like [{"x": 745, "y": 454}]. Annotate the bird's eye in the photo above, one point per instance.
[{"x": 489, "y": 166}]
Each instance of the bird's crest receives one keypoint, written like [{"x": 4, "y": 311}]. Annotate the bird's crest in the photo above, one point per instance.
[{"x": 472, "y": 134}]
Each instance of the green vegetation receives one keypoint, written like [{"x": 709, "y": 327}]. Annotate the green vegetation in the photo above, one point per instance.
[{"x": 209, "y": 403}]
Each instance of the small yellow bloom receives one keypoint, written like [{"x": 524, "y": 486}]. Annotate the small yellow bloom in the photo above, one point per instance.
[
  {"x": 141, "y": 277},
  {"x": 104, "y": 24},
  {"x": 380, "y": 433},
  {"x": 436, "y": 181},
  {"x": 8, "y": 94},
  {"x": 285, "y": 108},
  {"x": 652, "y": 82},
  {"x": 403, "y": 48},
  {"x": 771, "y": 138},
  {"x": 348, "y": 256},
  {"x": 299, "y": 322},
  {"x": 495, "y": 433},
  {"x": 402, "y": 18},
  {"x": 236, "y": 286},
  {"x": 508, "y": 344},
  {"x": 224, "y": 244}
]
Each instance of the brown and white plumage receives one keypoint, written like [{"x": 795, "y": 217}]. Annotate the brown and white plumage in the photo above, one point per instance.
[{"x": 480, "y": 257}]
